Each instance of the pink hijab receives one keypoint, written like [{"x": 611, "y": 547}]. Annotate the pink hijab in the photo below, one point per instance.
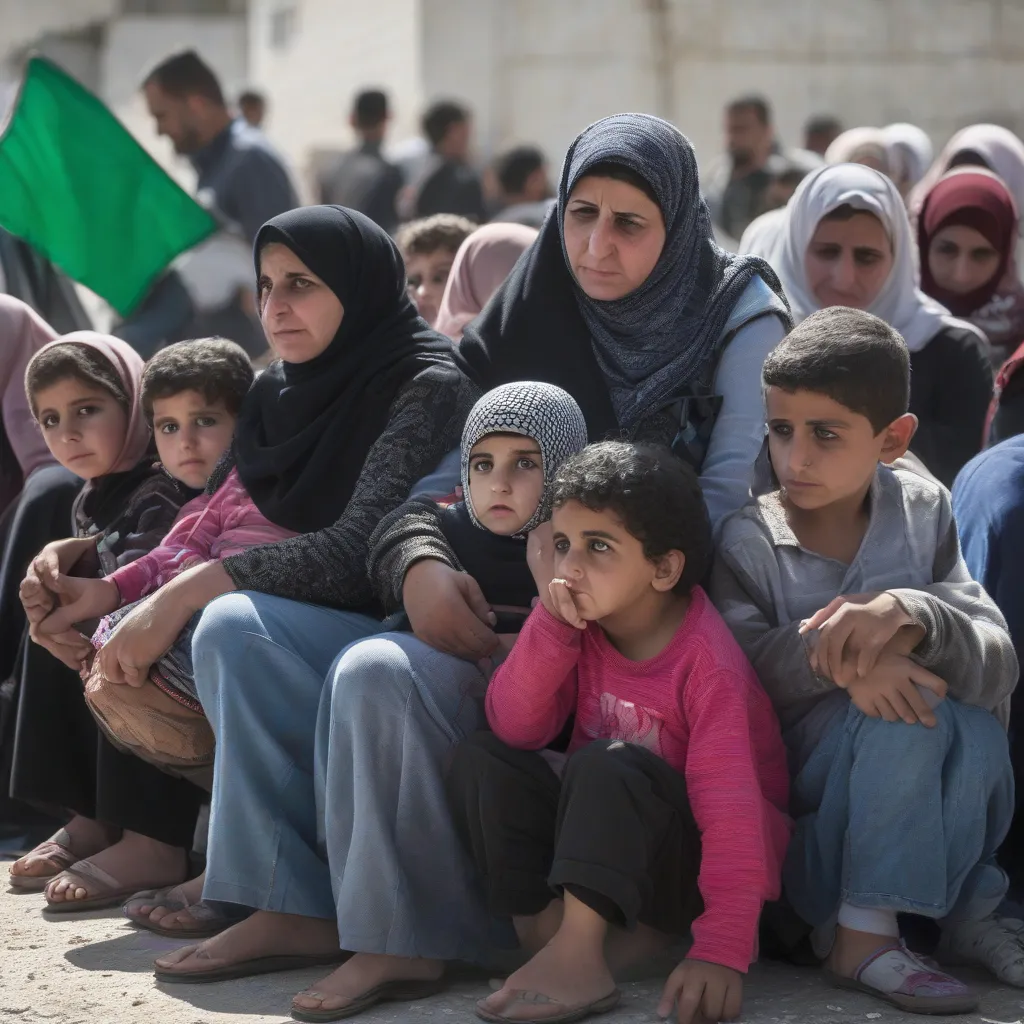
[
  {"x": 22, "y": 334},
  {"x": 128, "y": 365},
  {"x": 482, "y": 263}
]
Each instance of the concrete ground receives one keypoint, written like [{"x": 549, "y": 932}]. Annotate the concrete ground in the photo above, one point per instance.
[{"x": 95, "y": 969}]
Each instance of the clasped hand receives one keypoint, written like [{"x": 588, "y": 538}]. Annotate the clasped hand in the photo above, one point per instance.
[{"x": 863, "y": 645}]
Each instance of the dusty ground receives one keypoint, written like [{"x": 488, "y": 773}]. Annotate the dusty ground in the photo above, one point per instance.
[{"x": 95, "y": 969}]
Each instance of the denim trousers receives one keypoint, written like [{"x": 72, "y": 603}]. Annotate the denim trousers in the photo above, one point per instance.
[
  {"x": 328, "y": 795},
  {"x": 902, "y": 817}
]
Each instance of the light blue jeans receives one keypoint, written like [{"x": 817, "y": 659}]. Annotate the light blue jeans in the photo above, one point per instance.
[
  {"x": 328, "y": 795},
  {"x": 897, "y": 816}
]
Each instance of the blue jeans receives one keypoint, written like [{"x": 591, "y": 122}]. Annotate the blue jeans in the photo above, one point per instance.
[
  {"x": 897, "y": 816},
  {"x": 328, "y": 796}
]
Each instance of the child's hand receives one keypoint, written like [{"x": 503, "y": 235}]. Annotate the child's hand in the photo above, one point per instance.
[
  {"x": 702, "y": 991},
  {"x": 563, "y": 604},
  {"x": 37, "y": 591},
  {"x": 854, "y": 630},
  {"x": 890, "y": 691},
  {"x": 81, "y": 600}
]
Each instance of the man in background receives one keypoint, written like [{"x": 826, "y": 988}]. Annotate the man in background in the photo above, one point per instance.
[
  {"x": 362, "y": 179},
  {"x": 820, "y": 132},
  {"x": 244, "y": 177},
  {"x": 239, "y": 178},
  {"x": 737, "y": 182},
  {"x": 447, "y": 183},
  {"x": 252, "y": 106},
  {"x": 523, "y": 185}
]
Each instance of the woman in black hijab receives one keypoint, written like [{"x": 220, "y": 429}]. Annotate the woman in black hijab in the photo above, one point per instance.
[{"x": 363, "y": 401}]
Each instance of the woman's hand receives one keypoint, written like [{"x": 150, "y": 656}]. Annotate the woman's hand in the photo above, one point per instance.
[
  {"x": 149, "y": 630},
  {"x": 447, "y": 609}
]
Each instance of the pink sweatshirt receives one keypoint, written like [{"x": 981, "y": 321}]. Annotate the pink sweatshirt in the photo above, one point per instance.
[
  {"x": 697, "y": 705},
  {"x": 207, "y": 529}
]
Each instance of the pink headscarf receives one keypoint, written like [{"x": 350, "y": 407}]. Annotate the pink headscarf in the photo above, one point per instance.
[
  {"x": 482, "y": 263},
  {"x": 22, "y": 334},
  {"x": 128, "y": 365}
]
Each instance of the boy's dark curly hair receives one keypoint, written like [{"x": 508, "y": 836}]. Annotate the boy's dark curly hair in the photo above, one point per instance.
[
  {"x": 217, "y": 368},
  {"x": 655, "y": 494}
]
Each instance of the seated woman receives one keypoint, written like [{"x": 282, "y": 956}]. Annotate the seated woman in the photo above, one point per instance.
[
  {"x": 846, "y": 241},
  {"x": 967, "y": 238}
]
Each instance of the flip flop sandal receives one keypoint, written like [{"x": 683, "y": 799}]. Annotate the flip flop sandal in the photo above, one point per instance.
[
  {"x": 568, "y": 1016},
  {"x": 249, "y": 968},
  {"x": 904, "y": 976},
  {"x": 212, "y": 919},
  {"x": 109, "y": 892},
  {"x": 57, "y": 849},
  {"x": 387, "y": 992}
]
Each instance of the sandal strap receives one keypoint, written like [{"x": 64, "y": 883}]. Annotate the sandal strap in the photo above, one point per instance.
[
  {"x": 894, "y": 970},
  {"x": 55, "y": 851},
  {"x": 86, "y": 871}
]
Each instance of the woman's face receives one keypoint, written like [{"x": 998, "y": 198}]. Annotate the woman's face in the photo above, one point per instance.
[
  {"x": 300, "y": 314},
  {"x": 848, "y": 261},
  {"x": 614, "y": 235},
  {"x": 962, "y": 259}
]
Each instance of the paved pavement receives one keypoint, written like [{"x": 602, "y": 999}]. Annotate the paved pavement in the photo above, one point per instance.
[{"x": 95, "y": 969}]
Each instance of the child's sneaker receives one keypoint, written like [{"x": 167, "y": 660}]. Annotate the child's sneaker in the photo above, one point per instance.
[{"x": 996, "y": 943}]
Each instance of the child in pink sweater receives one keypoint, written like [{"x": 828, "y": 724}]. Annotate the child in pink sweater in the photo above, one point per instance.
[{"x": 666, "y": 813}]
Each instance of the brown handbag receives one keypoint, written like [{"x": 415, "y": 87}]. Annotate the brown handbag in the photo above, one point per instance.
[{"x": 170, "y": 732}]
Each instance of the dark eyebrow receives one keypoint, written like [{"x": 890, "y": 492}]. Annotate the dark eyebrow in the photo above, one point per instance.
[
  {"x": 92, "y": 399},
  {"x": 869, "y": 249},
  {"x": 601, "y": 534}
]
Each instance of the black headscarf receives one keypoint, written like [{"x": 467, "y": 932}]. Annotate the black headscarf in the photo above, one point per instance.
[
  {"x": 626, "y": 358},
  {"x": 305, "y": 428}
]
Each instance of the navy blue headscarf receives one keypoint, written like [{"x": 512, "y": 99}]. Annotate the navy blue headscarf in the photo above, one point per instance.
[{"x": 623, "y": 359}]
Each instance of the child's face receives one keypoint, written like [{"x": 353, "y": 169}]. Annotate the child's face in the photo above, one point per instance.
[
  {"x": 823, "y": 452},
  {"x": 604, "y": 564},
  {"x": 426, "y": 277},
  {"x": 506, "y": 481},
  {"x": 83, "y": 425},
  {"x": 191, "y": 435}
]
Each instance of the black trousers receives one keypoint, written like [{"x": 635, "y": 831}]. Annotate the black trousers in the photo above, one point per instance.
[
  {"x": 616, "y": 831},
  {"x": 61, "y": 760}
]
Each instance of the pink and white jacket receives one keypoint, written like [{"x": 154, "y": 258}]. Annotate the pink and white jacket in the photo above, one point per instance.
[{"x": 207, "y": 529}]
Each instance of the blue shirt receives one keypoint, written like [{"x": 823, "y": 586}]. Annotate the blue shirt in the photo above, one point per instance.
[
  {"x": 247, "y": 178},
  {"x": 988, "y": 502}
]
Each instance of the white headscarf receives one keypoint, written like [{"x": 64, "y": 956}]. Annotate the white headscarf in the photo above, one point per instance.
[
  {"x": 856, "y": 143},
  {"x": 911, "y": 152},
  {"x": 1001, "y": 150},
  {"x": 900, "y": 303}
]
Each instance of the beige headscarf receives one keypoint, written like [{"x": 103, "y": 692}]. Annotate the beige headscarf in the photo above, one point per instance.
[
  {"x": 482, "y": 263},
  {"x": 128, "y": 365}
]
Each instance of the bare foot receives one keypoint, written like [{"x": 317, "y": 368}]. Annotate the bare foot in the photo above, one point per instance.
[
  {"x": 537, "y": 931},
  {"x": 365, "y": 971},
  {"x": 625, "y": 949},
  {"x": 569, "y": 972},
  {"x": 263, "y": 934},
  {"x": 852, "y": 948},
  {"x": 136, "y": 861},
  {"x": 82, "y": 836}
]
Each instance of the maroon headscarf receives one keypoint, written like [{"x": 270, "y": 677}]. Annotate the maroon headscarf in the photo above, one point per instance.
[{"x": 980, "y": 200}]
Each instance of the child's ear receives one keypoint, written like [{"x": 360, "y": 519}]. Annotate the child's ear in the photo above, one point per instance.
[
  {"x": 898, "y": 436},
  {"x": 667, "y": 571}
]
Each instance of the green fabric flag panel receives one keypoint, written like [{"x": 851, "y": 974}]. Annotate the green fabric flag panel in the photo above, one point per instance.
[{"x": 77, "y": 186}]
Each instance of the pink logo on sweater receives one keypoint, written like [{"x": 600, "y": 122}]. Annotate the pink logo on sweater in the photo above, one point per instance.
[{"x": 631, "y": 723}]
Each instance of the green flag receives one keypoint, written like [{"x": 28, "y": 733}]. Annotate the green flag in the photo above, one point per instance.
[{"x": 76, "y": 186}]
